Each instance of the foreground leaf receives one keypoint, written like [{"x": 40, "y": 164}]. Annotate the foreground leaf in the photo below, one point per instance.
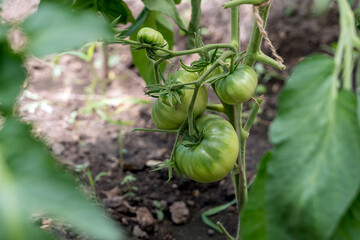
[
  {"x": 254, "y": 222},
  {"x": 31, "y": 182},
  {"x": 114, "y": 9},
  {"x": 168, "y": 8},
  {"x": 55, "y": 28},
  {"x": 358, "y": 105},
  {"x": 12, "y": 75},
  {"x": 314, "y": 174},
  {"x": 349, "y": 227}
]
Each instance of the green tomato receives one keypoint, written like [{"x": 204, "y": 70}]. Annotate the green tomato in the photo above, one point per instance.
[
  {"x": 150, "y": 36},
  {"x": 177, "y": 1},
  {"x": 238, "y": 87},
  {"x": 165, "y": 46},
  {"x": 214, "y": 156},
  {"x": 153, "y": 37},
  {"x": 167, "y": 117}
]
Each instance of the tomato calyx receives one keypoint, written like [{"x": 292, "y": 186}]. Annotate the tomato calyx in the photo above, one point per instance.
[
  {"x": 194, "y": 140},
  {"x": 170, "y": 92},
  {"x": 206, "y": 60}
]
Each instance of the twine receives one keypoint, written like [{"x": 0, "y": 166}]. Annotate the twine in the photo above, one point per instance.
[{"x": 263, "y": 32}]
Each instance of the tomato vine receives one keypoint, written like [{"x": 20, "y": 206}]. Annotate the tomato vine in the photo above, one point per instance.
[{"x": 213, "y": 67}]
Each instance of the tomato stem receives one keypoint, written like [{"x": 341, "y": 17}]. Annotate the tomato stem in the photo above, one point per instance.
[
  {"x": 154, "y": 130},
  {"x": 156, "y": 70},
  {"x": 235, "y": 27},
  {"x": 170, "y": 53},
  {"x": 240, "y": 2},
  {"x": 216, "y": 107},
  {"x": 194, "y": 22},
  {"x": 348, "y": 39},
  {"x": 256, "y": 37},
  {"x": 223, "y": 230},
  {"x": 191, "y": 120},
  {"x": 261, "y": 57},
  {"x": 253, "y": 114}
]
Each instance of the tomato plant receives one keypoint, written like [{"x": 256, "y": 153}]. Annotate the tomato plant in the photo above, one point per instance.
[
  {"x": 289, "y": 187},
  {"x": 214, "y": 154},
  {"x": 207, "y": 149}
]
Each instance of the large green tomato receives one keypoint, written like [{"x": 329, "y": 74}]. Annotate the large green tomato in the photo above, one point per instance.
[
  {"x": 238, "y": 87},
  {"x": 167, "y": 117},
  {"x": 214, "y": 156}
]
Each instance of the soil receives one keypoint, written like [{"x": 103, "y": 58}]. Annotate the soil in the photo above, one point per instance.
[{"x": 59, "y": 102}]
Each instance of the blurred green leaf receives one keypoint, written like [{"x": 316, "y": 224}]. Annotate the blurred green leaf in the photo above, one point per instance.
[
  {"x": 12, "y": 75},
  {"x": 112, "y": 9},
  {"x": 314, "y": 173},
  {"x": 321, "y": 6},
  {"x": 3, "y": 30},
  {"x": 212, "y": 211},
  {"x": 55, "y": 28},
  {"x": 358, "y": 105},
  {"x": 140, "y": 59},
  {"x": 349, "y": 227},
  {"x": 32, "y": 182},
  {"x": 168, "y": 8},
  {"x": 136, "y": 26},
  {"x": 254, "y": 218},
  {"x": 166, "y": 29},
  {"x": 67, "y": 3}
]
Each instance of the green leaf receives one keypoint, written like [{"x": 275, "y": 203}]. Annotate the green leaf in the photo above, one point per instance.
[
  {"x": 168, "y": 8},
  {"x": 67, "y": 3},
  {"x": 358, "y": 105},
  {"x": 136, "y": 26},
  {"x": 166, "y": 28},
  {"x": 139, "y": 57},
  {"x": 12, "y": 75},
  {"x": 349, "y": 227},
  {"x": 32, "y": 183},
  {"x": 55, "y": 28},
  {"x": 321, "y": 6},
  {"x": 254, "y": 216},
  {"x": 314, "y": 173},
  {"x": 3, "y": 30},
  {"x": 112, "y": 9}
]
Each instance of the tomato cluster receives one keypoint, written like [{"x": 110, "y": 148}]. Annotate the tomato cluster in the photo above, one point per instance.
[{"x": 212, "y": 153}]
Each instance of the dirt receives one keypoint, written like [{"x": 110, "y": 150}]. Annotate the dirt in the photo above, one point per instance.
[{"x": 59, "y": 102}]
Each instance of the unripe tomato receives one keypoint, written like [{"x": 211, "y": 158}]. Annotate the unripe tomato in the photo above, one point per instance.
[
  {"x": 150, "y": 36},
  {"x": 238, "y": 87},
  {"x": 153, "y": 37},
  {"x": 177, "y": 1},
  {"x": 168, "y": 117},
  {"x": 214, "y": 156},
  {"x": 165, "y": 46}
]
